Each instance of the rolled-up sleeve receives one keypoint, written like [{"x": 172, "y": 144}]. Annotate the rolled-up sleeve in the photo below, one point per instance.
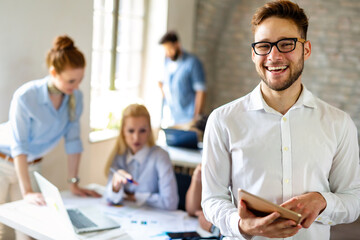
[
  {"x": 20, "y": 123},
  {"x": 198, "y": 76}
]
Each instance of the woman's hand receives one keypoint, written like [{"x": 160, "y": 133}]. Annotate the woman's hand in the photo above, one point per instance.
[
  {"x": 35, "y": 198},
  {"x": 83, "y": 192},
  {"x": 130, "y": 197},
  {"x": 119, "y": 179}
]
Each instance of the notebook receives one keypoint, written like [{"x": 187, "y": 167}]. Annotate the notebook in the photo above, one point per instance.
[
  {"x": 181, "y": 138},
  {"x": 87, "y": 219}
]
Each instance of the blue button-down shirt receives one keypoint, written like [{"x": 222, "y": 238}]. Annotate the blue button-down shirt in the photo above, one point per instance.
[
  {"x": 35, "y": 126},
  {"x": 180, "y": 86}
]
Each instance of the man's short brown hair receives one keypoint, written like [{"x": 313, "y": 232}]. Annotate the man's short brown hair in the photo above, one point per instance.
[
  {"x": 282, "y": 9},
  {"x": 170, "y": 36}
]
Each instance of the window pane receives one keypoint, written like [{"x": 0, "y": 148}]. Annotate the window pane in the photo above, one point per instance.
[
  {"x": 122, "y": 70},
  {"x": 128, "y": 61},
  {"x": 130, "y": 34},
  {"x": 135, "y": 68}
]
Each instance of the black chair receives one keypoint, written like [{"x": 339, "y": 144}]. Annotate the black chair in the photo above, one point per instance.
[{"x": 183, "y": 183}]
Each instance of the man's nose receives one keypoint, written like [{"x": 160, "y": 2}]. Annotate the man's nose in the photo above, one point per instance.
[{"x": 274, "y": 53}]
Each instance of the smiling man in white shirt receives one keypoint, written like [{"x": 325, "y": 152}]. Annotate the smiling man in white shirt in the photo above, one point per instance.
[{"x": 280, "y": 142}]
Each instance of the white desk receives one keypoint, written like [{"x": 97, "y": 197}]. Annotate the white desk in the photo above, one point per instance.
[{"x": 136, "y": 222}]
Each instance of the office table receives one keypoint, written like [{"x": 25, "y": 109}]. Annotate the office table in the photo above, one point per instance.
[{"x": 137, "y": 222}]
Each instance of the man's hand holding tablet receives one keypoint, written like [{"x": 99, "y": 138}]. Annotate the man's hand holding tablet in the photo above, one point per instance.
[
  {"x": 264, "y": 207},
  {"x": 260, "y": 217}
]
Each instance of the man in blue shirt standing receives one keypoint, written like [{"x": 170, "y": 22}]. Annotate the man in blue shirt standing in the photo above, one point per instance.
[{"x": 183, "y": 86}]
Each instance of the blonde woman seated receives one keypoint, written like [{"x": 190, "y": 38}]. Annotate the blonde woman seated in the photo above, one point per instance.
[{"x": 137, "y": 168}]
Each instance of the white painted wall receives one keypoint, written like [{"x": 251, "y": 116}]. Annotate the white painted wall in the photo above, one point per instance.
[
  {"x": 154, "y": 57},
  {"x": 27, "y": 31},
  {"x": 181, "y": 18}
]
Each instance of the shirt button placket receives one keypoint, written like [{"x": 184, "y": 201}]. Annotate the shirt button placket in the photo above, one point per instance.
[{"x": 286, "y": 157}]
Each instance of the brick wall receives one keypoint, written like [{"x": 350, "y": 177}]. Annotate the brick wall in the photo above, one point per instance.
[{"x": 223, "y": 37}]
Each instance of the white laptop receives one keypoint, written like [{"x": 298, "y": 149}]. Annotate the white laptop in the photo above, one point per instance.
[{"x": 81, "y": 219}]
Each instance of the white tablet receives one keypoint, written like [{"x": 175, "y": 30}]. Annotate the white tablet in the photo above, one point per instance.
[{"x": 259, "y": 205}]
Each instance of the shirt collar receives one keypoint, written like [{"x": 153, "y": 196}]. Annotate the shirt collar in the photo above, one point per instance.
[
  {"x": 257, "y": 101},
  {"x": 306, "y": 99},
  {"x": 140, "y": 156},
  {"x": 44, "y": 97}
]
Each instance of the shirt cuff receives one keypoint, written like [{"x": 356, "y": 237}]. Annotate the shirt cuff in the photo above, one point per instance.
[
  {"x": 325, "y": 216},
  {"x": 114, "y": 197},
  {"x": 234, "y": 224},
  {"x": 72, "y": 147},
  {"x": 141, "y": 198},
  {"x": 16, "y": 151},
  {"x": 199, "y": 87}
]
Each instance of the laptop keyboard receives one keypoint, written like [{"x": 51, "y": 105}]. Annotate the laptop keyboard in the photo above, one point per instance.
[{"x": 79, "y": 220}]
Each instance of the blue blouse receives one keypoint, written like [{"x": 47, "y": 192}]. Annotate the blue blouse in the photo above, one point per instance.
[
  {"x": 36, "y": 126},
  {"x": 156, "y": 178}
]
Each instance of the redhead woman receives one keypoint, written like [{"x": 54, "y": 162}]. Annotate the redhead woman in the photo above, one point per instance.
[
  {"x": 138, "y": 170},
  {"x": 41, "y": 113}
]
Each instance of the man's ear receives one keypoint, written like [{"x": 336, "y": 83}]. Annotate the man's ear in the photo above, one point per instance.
[
  {"x": 307, "y": 49},
  {"x": 252, "y": 55}
]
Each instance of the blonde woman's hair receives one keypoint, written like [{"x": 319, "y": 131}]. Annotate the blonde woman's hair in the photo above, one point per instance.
[{"x": 133, "y": 110}]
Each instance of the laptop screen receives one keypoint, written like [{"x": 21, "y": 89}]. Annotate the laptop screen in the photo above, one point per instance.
[{"x": 181, "y": 138}]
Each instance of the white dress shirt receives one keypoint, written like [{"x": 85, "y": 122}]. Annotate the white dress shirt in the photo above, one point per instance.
[{"x": 312, "y": 148}]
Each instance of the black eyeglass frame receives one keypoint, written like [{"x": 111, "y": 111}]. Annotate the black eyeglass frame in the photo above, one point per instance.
[{"x": 276, "y": 44}]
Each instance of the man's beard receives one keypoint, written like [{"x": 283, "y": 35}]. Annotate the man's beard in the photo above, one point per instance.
[
  {"x": 176, "y": 55},
  {"x": 297, "y": 71}
]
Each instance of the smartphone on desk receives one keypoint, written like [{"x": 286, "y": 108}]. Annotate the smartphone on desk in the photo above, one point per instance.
[{"x": 181, "y": 235}]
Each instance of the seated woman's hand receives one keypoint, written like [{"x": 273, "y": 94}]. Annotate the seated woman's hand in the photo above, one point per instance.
[
  {"x": 119, "y": 179},
  {"x": 130, "y": 196}
]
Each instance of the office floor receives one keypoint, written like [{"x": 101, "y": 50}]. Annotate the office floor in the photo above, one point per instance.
[
  {"x": 340, "y": 232},
  {"x": 8, "y": 233}
]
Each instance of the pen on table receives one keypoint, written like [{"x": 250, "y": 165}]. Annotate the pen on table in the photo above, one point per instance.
[{"x": 128, "y": 179}]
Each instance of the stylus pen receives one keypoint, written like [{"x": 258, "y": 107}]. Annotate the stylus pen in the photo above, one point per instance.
[{"x": 128, "y": 179}]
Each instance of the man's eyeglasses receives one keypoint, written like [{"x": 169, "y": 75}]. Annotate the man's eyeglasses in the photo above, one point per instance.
[{"x": 283, "y": 45}]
